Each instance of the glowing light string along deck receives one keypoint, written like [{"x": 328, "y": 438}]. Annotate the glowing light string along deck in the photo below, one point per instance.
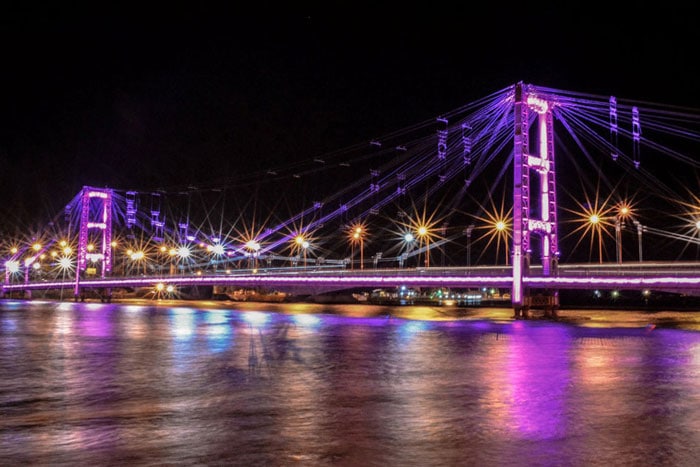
[{"x": 672, "y": 282}]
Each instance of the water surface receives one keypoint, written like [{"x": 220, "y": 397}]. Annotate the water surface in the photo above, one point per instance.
[{"x": 299, "y": 384}]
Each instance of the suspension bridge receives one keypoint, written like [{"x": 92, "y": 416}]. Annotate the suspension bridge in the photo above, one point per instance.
[{"x": 529, "y": 189}]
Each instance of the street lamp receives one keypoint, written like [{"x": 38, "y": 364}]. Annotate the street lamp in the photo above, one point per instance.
[
  {"x": 595, "y": 221},
  {"x": 423, "y": 234},
  {"x": 408, "y": 242},
  {"x": 11, "y": 267},
  {"x": 624, "y": 211},
  {"x": 301, "y": 245},
  {"x": 443, "y": 235},
  {"x": 357, "y": 234},
  {"x": 640, "y": 228},
  {"x": 139, "y": 257},
  {"x": 253, "y": 247},
  {"x": 501, "y": 232},
  {"x": 183, "y": 252},
  {"x": 468, "y": 232},
  {"x": 304, "y": 247}
]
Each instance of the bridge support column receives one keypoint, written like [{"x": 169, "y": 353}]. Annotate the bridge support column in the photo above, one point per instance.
[
  {"x": 94, "y": 201},
  {"x": 544, "y": 223},
  {"x": 106, "y": 295},
  {"x": 547, "y": 302}
]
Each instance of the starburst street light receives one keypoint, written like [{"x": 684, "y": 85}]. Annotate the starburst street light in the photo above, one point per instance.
[
  {"x": 624, "y": 212},
  {"x": 594, "y": 217},
  {"x": 424, "y": 233},
  {"x": 408, "y": 239},
  {"x": 494, "y": 224},
  {"x": 359, "y": 235},
  {"x": 595, "y": 226},
  {"x": 252, "y": 246},
  {"x": 301, "y": 245},
  {"x": 502, "y": 229},
  {"x": 496, "y": 228},
  {"x": 139, "y": 257},
  {"x": 305, "y": 247},
  {"x": 593, "y": 221}
]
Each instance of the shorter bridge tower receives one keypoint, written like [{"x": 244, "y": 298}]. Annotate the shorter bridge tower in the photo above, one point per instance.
[
  {"x": 533, "y": 111},
  {"x": 95, "y": 214}
]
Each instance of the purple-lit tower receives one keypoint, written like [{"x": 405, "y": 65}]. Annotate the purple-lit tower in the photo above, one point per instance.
[
  {"x": 94, "y": 201},
  {"x": 536, "y": 111}
]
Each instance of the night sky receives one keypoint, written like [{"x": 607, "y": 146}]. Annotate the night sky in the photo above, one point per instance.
[{"x": 132, "y": 99}]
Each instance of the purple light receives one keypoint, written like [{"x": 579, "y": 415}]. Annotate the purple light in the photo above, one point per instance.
[{"x": 378, "y": 280}]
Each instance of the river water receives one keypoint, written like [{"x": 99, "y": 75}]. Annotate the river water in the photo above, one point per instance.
[{"x": 313, "y": 385}]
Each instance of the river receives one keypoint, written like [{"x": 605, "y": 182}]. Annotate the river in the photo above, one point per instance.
[{"x": 252, "y": 384}]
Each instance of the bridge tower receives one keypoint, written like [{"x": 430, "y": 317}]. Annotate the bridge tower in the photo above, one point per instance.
[
  {"x": 537, "y": 166},
  {"x": 94, "y": 201}
]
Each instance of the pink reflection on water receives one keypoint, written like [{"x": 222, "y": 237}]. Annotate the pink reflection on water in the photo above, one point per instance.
[
  {"x": 538, "y": 376},
  {"x": 95, "y": 320}
]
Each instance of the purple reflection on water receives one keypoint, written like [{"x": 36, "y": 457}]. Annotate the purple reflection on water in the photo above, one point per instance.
[
  {"x": 95, "y": 320},
  {"x": 538, "y": 376},
  {"x": 189, "y": 386}
]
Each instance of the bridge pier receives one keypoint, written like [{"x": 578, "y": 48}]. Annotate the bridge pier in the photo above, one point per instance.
[
  {"x": 106, "y": 296},
  {"x": 546, "y": 301}
]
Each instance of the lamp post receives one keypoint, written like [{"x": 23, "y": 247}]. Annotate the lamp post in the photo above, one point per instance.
[
  {"x": 468, "y": 232},
  {"x": 183, "y": 253},
  {"x": 408, "y": 242},
  {"x": 624, "y": 211},
  {"x": 301, "y": 245},
  {"x": 594, "y": 220},
  {"x": 304, "y": 247},
  {"x": 618, "y": 239},
  {"x": 423, "y": 235},
  {"x": 253, "y": 247},
  {"x": 358, "y": 235},
  {"x": 501, "y": 232},
  {"x": 443, "y": 235},
  {"x": 640, "y": 228},
  {"x": 138, "y": 257}
]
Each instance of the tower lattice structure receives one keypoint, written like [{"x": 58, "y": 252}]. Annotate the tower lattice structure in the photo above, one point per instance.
[{"x": 533, "y": 186}]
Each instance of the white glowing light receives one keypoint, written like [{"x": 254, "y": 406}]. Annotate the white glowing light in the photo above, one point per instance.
[
  {"x": 138, "y": 255},
  {"x": 12, "y": 266},
  {"x": 538, "y": 105},
  {"x": 65, "y": 263}
]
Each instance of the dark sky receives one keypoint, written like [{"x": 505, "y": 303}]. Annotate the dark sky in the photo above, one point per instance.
[{"x": 128, "y": 98}]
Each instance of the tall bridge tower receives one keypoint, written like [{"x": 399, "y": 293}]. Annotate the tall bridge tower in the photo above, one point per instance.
[
  {"x": 94, "y": 201},
  {"x": 533, "y": 187}
]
